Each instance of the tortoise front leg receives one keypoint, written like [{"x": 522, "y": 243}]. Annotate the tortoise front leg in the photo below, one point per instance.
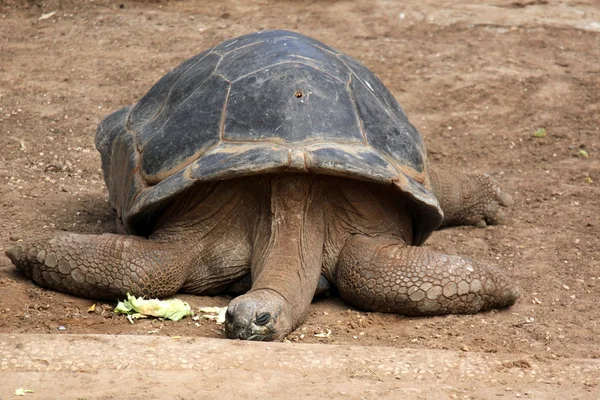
[
  {"x": 469, "y": 199},
  {"x": 381, "y": 274},
  {"x": 103, "y": 266}
]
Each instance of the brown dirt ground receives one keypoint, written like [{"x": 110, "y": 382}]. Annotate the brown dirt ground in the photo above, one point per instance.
[{"x": 477, "y": 78}]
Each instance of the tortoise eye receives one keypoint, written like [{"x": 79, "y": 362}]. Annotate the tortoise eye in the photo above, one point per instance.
[{"x": 263, "y": 318}]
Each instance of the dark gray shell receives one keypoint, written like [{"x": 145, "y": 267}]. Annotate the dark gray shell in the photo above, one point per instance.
[{"x": 267, "y": 102}]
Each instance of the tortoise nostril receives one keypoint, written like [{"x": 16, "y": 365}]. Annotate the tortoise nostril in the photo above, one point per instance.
[{"x": 263, "y": 318}]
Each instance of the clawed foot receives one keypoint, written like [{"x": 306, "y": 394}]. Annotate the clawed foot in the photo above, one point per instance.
[
  {"x": 486, "y": 211},
  {"x": 469, "y": 199},
  {"x": 32, "y": 257}
]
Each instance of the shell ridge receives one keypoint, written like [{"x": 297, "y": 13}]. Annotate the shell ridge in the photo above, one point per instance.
[
  {"x": 323, "y": 49},
  {"x": 241, "y": 47},
  {"x": 224, "y": 113},
  {"x": 358, "y": 118},
  {"x": 368, "y": 85},
  {"x": 283, "y": 63}
]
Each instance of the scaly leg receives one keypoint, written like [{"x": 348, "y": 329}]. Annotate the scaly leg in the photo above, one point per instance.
[
  {"x": 103, "y": 266},
  {"x": 383, "y": 274},
  {"x": 469, "y": 199}
]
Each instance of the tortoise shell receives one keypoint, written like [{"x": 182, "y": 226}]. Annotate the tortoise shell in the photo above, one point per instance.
[{"x": 266, "y": 102}]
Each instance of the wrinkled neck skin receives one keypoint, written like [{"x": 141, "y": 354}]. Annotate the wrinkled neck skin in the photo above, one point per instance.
[
  {"x": 288, "y": 245},
  {"x": 286, "y": 230}
]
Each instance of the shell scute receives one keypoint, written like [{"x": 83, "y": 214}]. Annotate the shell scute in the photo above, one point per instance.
[
  {"x": 291, "y": 104},
  {"x": 186, "y": 132},
  {"x": 164, "y": 92}
]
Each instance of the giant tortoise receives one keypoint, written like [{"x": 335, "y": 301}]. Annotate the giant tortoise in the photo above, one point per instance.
[{"x": 276, "y": 160}]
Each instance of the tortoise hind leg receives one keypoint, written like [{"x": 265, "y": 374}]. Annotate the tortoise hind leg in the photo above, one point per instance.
[
  {"x": 469, "y": 199},
  {"x": 102, "y": 266},
  {"x": 380, "y": 274}
]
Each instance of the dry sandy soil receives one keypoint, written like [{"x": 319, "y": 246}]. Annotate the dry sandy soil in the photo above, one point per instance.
[{"x": 477, "y": 78}]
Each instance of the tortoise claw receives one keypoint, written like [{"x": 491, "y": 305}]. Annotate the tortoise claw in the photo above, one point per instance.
[
  {"x": 493, "y": 198},
  {"x": 504, "y": 199}
]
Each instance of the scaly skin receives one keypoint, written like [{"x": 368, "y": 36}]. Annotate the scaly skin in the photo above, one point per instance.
[
  {"x": 469, "y": 199},
  {"x": 103, "y": 266},
  {"x": 381, "y": 274}
]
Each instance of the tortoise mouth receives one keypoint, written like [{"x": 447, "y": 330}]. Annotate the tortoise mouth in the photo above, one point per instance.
[
  {"x": 247, "y": 330},
  {"x": 267, "y": 337}
]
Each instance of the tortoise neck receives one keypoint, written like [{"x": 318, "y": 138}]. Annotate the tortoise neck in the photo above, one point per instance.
[{"x": 289, "y": 244}]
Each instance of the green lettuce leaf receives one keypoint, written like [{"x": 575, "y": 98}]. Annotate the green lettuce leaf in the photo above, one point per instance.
[{"x": 173, "y": 309}]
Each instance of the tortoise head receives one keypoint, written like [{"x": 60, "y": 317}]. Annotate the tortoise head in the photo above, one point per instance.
[{"x": 259, "y": 315}]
